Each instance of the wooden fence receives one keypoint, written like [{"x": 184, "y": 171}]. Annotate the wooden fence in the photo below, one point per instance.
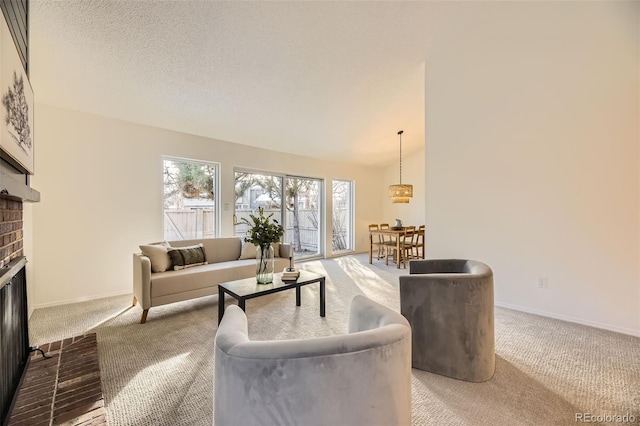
[
  {"x": 189, "y": 224},
  {"x": 307, "y": 227}
]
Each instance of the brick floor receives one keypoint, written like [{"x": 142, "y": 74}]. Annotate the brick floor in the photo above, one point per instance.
[{"x": 64, "y": 389}]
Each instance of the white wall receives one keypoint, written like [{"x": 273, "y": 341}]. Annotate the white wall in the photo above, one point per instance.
[
  {"x": 532, "y": 154},
  {"x": 101, "y": 185},
  {"x": 413, "y": 173}
]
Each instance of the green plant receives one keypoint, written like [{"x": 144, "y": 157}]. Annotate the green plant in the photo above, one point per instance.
[{"x": 262, "y": 229}]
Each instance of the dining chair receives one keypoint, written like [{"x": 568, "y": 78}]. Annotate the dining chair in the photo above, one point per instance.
[
  {"x": 386, "y": 239},
  {"x": 376, "y": 240},
  {"x": 408, "y": 242},
  {"x": 405, "y": 246},
  {"x": 418, "y": 243}
]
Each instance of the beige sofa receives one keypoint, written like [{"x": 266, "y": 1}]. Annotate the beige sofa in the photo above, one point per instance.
[{"x": 226, "y": 259}]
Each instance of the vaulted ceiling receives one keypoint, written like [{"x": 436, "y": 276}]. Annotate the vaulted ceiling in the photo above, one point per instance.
[{"x": 332, "y": 80}]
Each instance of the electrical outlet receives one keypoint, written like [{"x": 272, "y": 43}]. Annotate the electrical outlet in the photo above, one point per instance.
[{"x": 543, "y": 282}]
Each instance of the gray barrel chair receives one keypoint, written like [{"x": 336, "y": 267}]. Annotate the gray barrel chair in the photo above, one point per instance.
[
  {"x": 449, "y": 304},
  {"x": 359, "y": 378}
]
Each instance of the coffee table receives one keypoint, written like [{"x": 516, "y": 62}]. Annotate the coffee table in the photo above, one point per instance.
[{"x": 248, "y": 288}]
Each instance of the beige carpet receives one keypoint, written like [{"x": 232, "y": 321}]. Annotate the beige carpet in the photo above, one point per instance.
[{"x": 161, "y": 372}]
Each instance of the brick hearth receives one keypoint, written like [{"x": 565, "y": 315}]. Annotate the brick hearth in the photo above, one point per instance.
[{"x": 64, "y": 389}]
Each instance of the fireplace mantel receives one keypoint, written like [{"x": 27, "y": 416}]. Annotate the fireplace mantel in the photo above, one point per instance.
[{"x": 14, "y": 185}]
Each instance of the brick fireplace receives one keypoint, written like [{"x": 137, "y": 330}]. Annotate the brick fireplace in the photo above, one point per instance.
[
  {"x": 10, "y": 229},
  {"x": 14, "y": 331}
]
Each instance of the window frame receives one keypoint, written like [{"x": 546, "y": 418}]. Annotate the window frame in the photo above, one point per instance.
[
  {"x": 283, "y": 212},
  {"x": 217, "y": 213},
  {"x": 350, "y": 217}
]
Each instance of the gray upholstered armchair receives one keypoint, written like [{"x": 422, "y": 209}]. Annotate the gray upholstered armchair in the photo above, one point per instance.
[
  {"x": 360, "y": 378},
  {"x": 449, "y": 304}
]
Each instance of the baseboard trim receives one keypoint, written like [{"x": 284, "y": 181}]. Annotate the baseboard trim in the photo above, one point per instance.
[
  {"x": 81, "y": 299},
  {"x": 595, "y": 324}
]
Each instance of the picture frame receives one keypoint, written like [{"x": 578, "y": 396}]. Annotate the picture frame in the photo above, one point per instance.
[{"x": 16, "y": 107}]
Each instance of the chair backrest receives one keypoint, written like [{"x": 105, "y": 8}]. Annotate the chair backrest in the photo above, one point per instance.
[
  {"x": 409, "y": 234},
  {"x": 382, "y": 237},
  {"x": 273, "y": 382},
  {"x": 419, "y": 240}
]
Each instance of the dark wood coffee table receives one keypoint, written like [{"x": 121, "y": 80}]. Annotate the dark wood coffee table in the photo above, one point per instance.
[{"x": 248, "y": 288}]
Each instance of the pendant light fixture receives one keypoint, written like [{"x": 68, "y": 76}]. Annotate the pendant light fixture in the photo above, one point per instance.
[{"x": 400, "y": 193}]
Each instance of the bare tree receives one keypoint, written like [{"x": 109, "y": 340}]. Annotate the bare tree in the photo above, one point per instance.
[
  {"x": 338, "y": 222},
  {"x": 271, "y": 186},
  {"x": 244, "y": 182},
  {"x": 188, "y": 180},
  {"x": 293, "y": 189}
]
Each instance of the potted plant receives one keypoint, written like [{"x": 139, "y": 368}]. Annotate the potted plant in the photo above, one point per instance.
[{"x": 263, "y": 230}]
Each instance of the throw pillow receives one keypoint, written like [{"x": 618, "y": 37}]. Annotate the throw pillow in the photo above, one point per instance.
[
  {"x": 276, "y": 249},
  {"x": 186, "y": 257},
  {"x": 248, "y": 251},
  {"x": 157, "y": 254}
]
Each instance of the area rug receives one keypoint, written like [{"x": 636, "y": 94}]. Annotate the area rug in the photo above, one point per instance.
[{"x": 161, "y": 373}]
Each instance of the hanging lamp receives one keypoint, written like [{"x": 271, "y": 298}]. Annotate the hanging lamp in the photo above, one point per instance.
[{"x": 400, "y": 193}]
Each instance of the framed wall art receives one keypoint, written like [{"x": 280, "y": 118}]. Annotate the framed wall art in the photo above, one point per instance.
[{"x": 16, "y": 110}]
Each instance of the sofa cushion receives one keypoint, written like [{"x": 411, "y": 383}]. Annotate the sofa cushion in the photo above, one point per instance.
[
  {"x": 204, "y": 276},
  {"x": 215, "y": 249},
  {"x": 186, "y": 257},
  {"x": 157, "y": 254},
  {"x": 248, "y": 251}
]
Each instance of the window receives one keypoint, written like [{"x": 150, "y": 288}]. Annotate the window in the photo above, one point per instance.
[
  {"x": 190, "y": 199},
  {"x": 342, "y": 216},
  {"x": 300, "y": 215}
]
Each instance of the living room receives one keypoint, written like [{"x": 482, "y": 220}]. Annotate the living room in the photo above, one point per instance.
[{"x": 524, "y": 128}]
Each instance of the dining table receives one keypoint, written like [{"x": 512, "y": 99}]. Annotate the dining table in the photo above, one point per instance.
[{"x": 396, "y": 233}]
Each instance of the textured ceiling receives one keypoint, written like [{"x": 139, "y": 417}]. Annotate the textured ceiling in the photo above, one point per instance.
[{"x": 333, "y": 80}]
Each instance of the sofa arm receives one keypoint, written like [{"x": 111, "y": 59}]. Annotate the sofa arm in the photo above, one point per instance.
[{"x": 142, "y": 280}]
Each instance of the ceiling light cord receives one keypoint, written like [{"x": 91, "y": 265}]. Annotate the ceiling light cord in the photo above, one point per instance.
[{"x": 400, "y": 133}]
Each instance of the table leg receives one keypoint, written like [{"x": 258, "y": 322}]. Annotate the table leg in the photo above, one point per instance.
[
  {"x": 370, "y": 249},
  {"x": 241, "y": 304},
  {"x": 220, "y": 304},
  {"x": 398, "y": 254},
  {"x": 322, "y": 297},
  {"x": 298, "y": 295}
]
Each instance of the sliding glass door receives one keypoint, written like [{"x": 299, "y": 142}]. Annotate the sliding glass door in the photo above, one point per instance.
[
  {"x": 304, "y": 217},
  {"x": 255, "y": 190},
  {"x": 300, "y": 214}
]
